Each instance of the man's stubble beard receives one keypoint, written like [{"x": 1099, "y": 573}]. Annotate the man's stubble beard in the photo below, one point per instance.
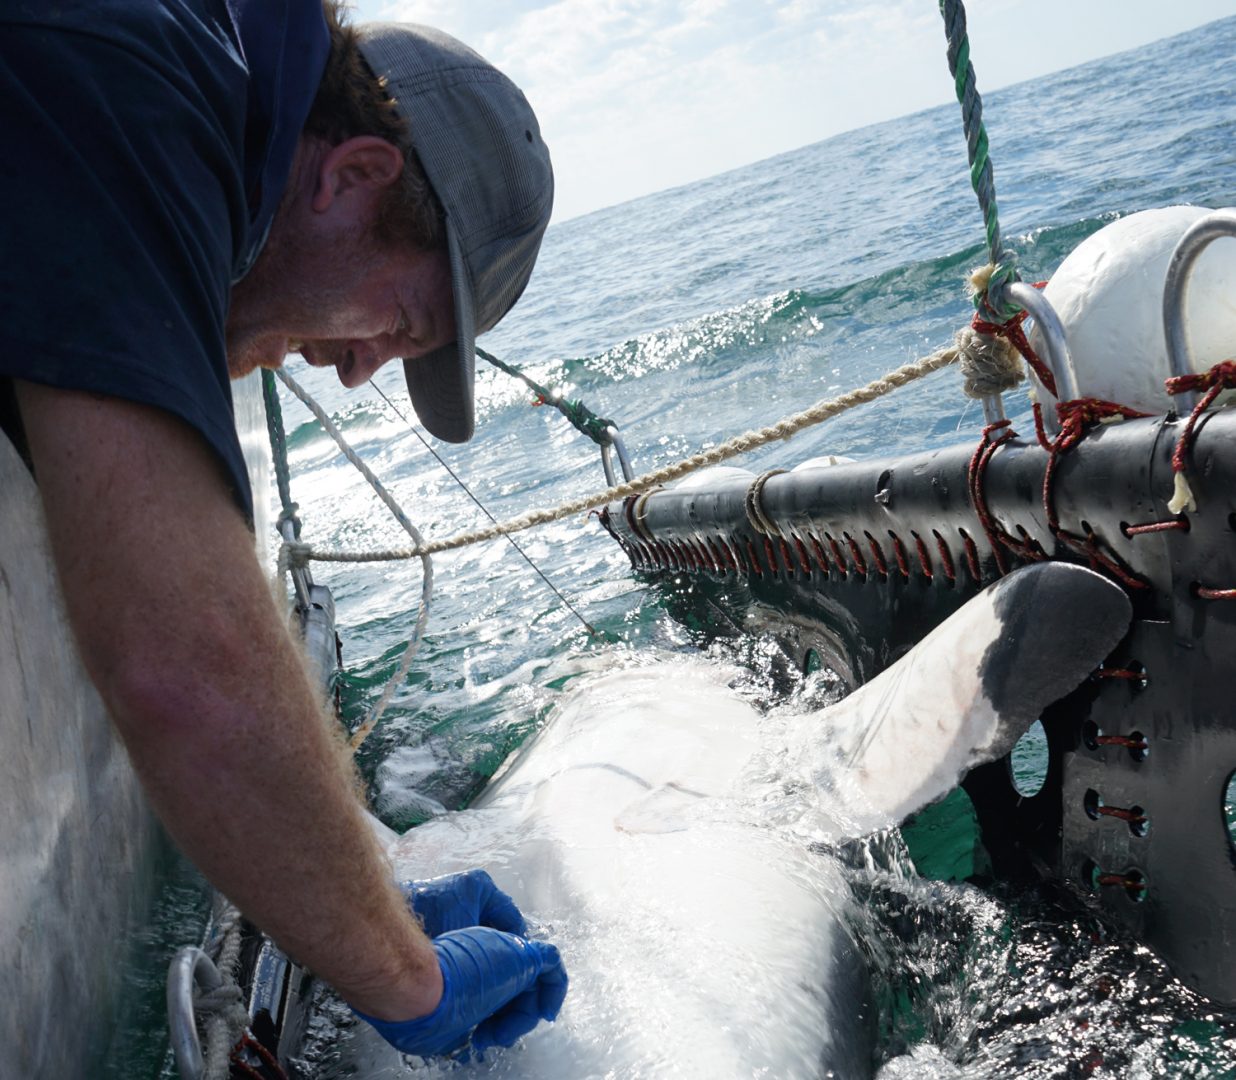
[{"x": 300, "y": 281}]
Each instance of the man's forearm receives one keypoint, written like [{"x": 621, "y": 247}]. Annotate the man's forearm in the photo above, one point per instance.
[{"x": 177, "y": 627}]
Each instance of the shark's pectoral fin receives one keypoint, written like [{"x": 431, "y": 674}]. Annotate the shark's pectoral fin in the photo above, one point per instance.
[{"x": 965, "y": 694}]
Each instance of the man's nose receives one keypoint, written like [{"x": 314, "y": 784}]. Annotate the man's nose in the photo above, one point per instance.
[{"x": 358, "y": 365}]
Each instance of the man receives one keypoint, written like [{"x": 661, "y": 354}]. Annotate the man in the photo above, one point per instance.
[{"x": 192, "y": 188}]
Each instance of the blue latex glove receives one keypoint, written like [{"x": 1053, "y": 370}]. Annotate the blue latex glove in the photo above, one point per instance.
[
  {"x": 457, "y": 901},
  {"x": 495, "y": 986}
]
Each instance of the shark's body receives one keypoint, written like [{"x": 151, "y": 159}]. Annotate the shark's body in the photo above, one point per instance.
[{"x": 635, "y": 832}]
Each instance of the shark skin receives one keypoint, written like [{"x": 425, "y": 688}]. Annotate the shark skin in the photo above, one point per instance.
[
  {"x": 703, "y": 937},
  {"x": 961, "y": 697}
]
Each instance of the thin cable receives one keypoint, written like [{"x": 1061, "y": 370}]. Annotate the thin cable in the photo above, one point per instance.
[{"x": 481, "y": 506}]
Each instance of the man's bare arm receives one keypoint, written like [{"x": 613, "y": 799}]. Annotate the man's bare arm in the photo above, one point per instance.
[{"x": 178, "y": 629}]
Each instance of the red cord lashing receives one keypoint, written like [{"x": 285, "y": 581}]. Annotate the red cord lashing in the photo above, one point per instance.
[
  {"x": 899, "y": 552},
  {"x": 1012, "y": 331},
  {"x": 877, "y": 555},
  {"x": 803, "y": 559},
  {"x": 946, "y": 557},
  {"x": 1133, "y": 817},
  {"x": 924, "y": 560},
  {"x": 860, "y": 564},
  {"x": 1157, "y": 526},
  {"x": 1220, "y": 377},
  {"x": 972, "y": 558},
  {"x": 1074, "y": 418},
  {"x": 1125, "y": 741},
  {"x": 269, "y": 1061},
  {"x": 1126, "y": 881},
  {"x": 838, "y": 557},
  {"x": 998, "y": 537},
  {"x": 1216, "y": 594},
  {"x": 820, "y": 557}
]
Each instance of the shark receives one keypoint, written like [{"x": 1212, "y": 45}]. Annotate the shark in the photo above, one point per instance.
[{"x": 678, "y": 844}]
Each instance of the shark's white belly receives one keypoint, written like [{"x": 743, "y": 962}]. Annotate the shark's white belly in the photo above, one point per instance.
[{"x": 698, "y": 944}]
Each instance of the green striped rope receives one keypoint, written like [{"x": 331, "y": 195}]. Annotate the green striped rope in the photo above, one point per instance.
[
  {"x": 279, "y": 450},
  {"x": 981, "y": 175},
  {"x": 583, "y": 418}
]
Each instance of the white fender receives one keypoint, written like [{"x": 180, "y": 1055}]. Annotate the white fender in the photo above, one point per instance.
[{"x": 1109, "y": 295}]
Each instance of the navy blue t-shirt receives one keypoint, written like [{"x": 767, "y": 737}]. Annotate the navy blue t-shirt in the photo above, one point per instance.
[{"x": 147, "y": 144}]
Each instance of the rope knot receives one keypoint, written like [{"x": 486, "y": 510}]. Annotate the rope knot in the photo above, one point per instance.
[
  {"x": 987, "y": 288},
  {"x": 990, "y": 362},
  {"x": 294, "y": 555},
  {"x": 1011, "y": 330},
  {"x": 223, "y": 999},
  {"x": 1077, "y": 414},
  {"x": 1221, "y": 376},
  {"x": 289, "y": 513}
]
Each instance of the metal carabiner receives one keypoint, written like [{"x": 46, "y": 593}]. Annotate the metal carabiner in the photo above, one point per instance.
[{"x": 190, "y": 967}]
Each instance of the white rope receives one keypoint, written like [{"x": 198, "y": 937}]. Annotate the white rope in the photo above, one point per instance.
[
  {"x": 288, "y": 550},
  {"x": 225, "y": 1018},
  {"x": 299, "y": 552}
]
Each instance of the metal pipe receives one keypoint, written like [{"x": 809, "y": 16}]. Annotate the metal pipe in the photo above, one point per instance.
[
  {"x": 607, "y": 463},
  {"x": 1175, "y": 292},
  {"x": 993, "y": 408}
]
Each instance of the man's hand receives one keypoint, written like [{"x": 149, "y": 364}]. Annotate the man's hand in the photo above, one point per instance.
[
  {"x": 495, "y": 986},
  {"x": 458, "y": 901}
]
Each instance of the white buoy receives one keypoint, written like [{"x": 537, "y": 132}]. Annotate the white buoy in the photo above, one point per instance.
[
  {"x": 825, "y": 462},
  {"x": 1109, "y": 295},
  {"x": 713, "y": 477}
]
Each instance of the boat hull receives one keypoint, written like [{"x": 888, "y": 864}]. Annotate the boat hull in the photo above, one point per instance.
[{"x": 79, "y": 848}]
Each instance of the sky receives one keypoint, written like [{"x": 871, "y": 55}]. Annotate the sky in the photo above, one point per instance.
[{"x": 636, "y": 96}]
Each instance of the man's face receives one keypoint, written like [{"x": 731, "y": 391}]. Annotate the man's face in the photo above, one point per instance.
[
  {"x": 381, "y": 306},
  {"x": 326, "y": 286}
]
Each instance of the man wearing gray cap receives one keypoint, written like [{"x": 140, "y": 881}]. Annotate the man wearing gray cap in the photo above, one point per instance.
[{"x": 203, "y": 187}]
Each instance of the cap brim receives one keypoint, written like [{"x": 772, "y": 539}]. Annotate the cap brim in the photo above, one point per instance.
[{"x": 441, "y": 383}]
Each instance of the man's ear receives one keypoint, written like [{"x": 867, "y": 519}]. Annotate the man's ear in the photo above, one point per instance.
[{"x": 363, "y": 164}]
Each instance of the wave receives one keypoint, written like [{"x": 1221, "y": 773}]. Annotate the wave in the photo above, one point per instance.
[{"x": 912, "y": 295}]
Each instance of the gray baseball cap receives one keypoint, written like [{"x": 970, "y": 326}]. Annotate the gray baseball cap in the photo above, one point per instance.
[{"x": 482, "y": 152}]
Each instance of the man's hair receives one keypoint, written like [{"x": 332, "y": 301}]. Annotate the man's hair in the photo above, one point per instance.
[{"x": 350, "y": 101}]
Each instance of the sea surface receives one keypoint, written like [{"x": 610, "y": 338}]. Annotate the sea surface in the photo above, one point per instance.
[{"x": 688, "y": 317}]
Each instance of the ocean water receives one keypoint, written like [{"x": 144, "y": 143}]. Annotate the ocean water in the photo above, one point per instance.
[{"x": 688, "y": 317}]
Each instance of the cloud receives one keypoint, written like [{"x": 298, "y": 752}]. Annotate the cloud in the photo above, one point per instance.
[{"x": 637, "y": 95}]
